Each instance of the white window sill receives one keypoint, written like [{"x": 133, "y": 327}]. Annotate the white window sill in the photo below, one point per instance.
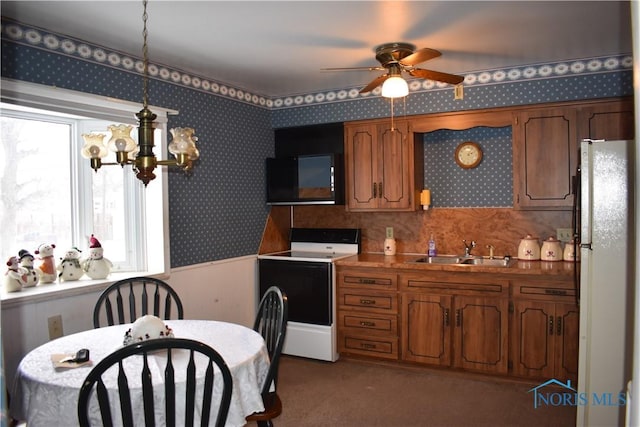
[{"x": 57, "y": 290}]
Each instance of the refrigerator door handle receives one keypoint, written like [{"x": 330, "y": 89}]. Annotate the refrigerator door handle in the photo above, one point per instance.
[{"x": 585, "y": 246}]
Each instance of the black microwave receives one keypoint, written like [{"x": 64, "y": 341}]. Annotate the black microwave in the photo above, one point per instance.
[{"x": 314, "y": 179}]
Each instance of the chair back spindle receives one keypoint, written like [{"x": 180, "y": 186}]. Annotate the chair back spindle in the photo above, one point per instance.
[
  {"x": 143, "y": 295},
  {"x": 166, "y": 347}
]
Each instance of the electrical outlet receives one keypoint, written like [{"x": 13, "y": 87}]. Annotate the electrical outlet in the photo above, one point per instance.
[
  {"x": 458, "y": 92},
  {"x": 389, "y": 232},
  {"x": 55, "y": 327},
  {"x": 564, "y": 234}
]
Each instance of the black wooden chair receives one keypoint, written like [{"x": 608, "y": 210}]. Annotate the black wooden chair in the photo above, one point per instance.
[
  {"x": 171, "y": 348},
  {"x": 135, "y": 297},
  {"x": 271, "y": 323}
]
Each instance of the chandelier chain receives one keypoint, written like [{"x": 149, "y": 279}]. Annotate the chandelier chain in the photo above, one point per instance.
[{"x": 145, "y": 58}]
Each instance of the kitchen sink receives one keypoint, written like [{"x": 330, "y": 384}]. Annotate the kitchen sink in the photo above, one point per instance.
[
  {"x": 467, "y": 261},
  {"x": 441, "y": 259}
]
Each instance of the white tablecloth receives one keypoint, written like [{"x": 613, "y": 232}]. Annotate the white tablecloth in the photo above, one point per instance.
[{"x": 44, "y": 396}]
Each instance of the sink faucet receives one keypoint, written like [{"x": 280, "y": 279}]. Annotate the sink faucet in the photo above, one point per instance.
[
  {"x": 491, "y": 249},
  {"x": 468, "y": 248}
]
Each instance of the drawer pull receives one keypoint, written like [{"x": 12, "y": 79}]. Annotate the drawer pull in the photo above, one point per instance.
[
  {"x": 368, "y": 281},
  {"x": 555, "y": 292},
  {"x": 369, "y": 324},
  {"x": 367, "y": 301},
  {"x": 367, "y": 345}
]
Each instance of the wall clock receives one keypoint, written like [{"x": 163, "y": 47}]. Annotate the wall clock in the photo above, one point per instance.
[{"x": 468, "y": 155}]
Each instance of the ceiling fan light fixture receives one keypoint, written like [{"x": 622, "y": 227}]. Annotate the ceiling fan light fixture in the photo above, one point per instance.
[{"x": 395, "y": 87}]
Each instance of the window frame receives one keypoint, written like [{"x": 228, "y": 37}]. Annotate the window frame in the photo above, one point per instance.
[{"x": 156, "y": 240}]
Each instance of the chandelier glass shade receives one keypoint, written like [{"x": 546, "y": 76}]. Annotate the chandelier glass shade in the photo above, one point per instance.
[{"x": 141, "y": 156}]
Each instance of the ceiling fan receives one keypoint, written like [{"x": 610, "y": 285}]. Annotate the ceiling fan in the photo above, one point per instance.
[{"x": 399, "y": 57}]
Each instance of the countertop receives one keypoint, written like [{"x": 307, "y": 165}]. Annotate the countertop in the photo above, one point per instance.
[{"x": 560, "y": 269}]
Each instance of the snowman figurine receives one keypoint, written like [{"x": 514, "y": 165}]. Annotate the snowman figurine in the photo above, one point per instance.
[
  {"x": 96, "y": 266},
  {"x": 26, "y": 262},
  {"x": 15, "y": 275},
  {"x": 69, "y": 268},
  {"x": 46, "y": 264}
]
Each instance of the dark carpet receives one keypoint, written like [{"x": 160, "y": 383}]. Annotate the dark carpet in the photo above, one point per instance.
[{"x": 362, "y": 393}]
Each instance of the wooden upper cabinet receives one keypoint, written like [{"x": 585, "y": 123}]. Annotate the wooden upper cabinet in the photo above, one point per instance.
[
  {"x": 545, "y": 144},
  {"x": 607, "y": 120},
  {"x": 383, "y": 172}
]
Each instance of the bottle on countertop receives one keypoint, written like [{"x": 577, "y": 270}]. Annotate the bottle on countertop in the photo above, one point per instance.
[
  {"x": 432, "y": 251},
  {"x": 389, "y": 243}
]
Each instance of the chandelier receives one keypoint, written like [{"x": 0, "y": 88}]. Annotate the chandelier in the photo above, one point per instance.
[{"x": 141, "y": 157}]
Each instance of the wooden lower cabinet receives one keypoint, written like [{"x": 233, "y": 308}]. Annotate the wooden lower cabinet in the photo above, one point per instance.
[
  {"x": 461, "y": 331},
  {"x": 426, "y": 331},
  {"x": 455, "y": 320},
  {"x": 523, "y": 327},
  {"x": 367, "y": 313},
  {"x": 545, "y": 340}
]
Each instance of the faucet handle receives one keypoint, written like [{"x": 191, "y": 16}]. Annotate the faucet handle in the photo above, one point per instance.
[{"x": 470, "y": 246}]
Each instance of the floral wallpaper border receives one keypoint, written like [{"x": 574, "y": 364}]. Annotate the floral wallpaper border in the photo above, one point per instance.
[{"x": 42, "y": 39}]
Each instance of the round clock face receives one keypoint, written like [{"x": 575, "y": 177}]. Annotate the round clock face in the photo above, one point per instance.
[{"x": 468, "y": 155}]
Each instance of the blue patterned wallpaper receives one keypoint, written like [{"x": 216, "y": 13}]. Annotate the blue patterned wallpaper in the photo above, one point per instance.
[
  {"x": 219, "y": 211},
  {"x": 490, "y": 184}
]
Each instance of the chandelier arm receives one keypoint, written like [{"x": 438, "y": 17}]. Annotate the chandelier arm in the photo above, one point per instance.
[{"x": 183, "y": 146}]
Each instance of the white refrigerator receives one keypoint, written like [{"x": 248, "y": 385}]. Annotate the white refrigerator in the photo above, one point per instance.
[{"x": 606, "y": 281}]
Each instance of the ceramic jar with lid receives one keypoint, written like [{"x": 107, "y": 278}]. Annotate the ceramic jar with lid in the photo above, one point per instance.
[
  {"x": 570, "y": 252},
  {"x": 551, "y": 250},
  {"x": 529, "y": 249}
]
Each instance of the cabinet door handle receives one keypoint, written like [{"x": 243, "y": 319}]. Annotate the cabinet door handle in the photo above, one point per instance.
[
  {"x": 558, "y": 325},
  {"x": 446, "y": 317},
  {"x": 367, "y": 301},
  {"x": 375, "y": 191},
  {"x": 458, "y": 317},
  {"x": 550, "y": 325},
  {"x": 555, "y": 292},
  {"x": 380, "y": 190}
]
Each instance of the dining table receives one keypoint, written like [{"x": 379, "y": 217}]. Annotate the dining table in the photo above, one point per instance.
[{"x": 46, "y": 395}]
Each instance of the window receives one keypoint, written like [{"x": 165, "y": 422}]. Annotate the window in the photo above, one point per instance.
[{"x": 50, "y": 194}]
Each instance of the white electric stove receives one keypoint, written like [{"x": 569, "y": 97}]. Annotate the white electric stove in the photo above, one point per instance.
[{"x": 306, "y": 274}]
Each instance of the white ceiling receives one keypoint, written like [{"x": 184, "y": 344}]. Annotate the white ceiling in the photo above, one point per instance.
[{"x": 277, "y": 48}]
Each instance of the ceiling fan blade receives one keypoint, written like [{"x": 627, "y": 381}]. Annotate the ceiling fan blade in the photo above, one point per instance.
[
  {"x": 375, "y": 83},
  {"x": 354, "y": 69},
  {"x": 420, "y": 56},
  {"x": 437, "y": 76}
]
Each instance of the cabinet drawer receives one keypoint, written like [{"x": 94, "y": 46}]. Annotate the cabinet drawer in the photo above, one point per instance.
[
  {"x": 559, "y": 292},
  {"x": 363, "y": 279},
  {"x": 379, "y": 347},
  {"x": 370, "y": 301},
  {"x": 454, "y": 285},
  {"x": 375, "y": 324}
]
